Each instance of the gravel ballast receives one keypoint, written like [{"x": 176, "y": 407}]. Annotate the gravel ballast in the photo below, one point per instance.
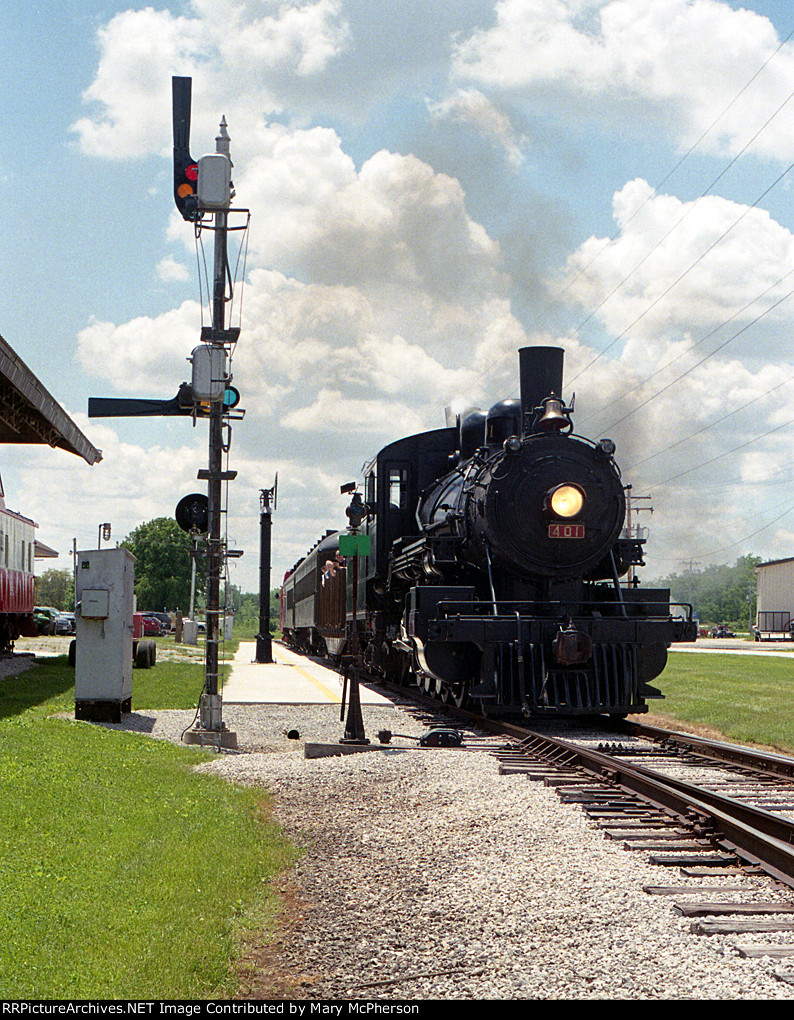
[{"x": 428, "y": 875}]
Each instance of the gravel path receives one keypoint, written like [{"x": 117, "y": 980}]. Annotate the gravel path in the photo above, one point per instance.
[{"x": 427, "y": 875}]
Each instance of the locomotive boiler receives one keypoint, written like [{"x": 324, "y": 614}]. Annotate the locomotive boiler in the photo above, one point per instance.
[{"x": 497, "y": 565}]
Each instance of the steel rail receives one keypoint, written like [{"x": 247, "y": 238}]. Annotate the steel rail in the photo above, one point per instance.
[
  {"x": 766, "y": 761},
  {"x": 754, "y": 836},
  {"x": 757, "y": 837}
]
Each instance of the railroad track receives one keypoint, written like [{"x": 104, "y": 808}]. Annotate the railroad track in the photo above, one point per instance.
[{"x": 696, "y": 808}]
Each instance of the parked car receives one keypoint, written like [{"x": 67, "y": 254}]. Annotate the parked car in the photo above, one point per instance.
[
  {"x": 152, "y": 626},
  {"x": 64, "y": 623},
  {"x": 44, "y": 617},
  {"x": 164, "y": 618}
]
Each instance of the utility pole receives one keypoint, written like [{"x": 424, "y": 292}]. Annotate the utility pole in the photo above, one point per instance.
[
  {"x": 631, "y": 502},
  {"x": 202, "y": 192},
  {"x": 211, "y": 708}
]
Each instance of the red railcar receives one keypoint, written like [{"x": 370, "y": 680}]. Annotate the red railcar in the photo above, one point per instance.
[{"x": 17, "y": 583}]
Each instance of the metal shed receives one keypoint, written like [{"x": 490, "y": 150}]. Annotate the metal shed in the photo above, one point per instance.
[{"x": 775, "y": 587}]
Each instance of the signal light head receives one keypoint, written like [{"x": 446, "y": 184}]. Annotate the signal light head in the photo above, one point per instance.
[
  {"x": 188, "y": 185},
  {"x": 185, "y": 187},
  {"x": 192, "y": 513}
]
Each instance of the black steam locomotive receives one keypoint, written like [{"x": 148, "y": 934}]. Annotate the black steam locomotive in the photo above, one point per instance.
[{"x": 493, "y": 572}]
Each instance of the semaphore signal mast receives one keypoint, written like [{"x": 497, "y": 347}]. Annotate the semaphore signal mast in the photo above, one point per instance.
[{"x": 203, "y": 192}]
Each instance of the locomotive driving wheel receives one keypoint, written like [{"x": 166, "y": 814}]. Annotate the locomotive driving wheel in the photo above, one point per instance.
[
  {"x": 456, "y": 694},
  {"x": 427, "y": 683}
]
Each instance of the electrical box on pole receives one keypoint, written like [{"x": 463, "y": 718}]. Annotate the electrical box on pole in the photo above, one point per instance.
[
  {"x": 214, "y": 181},
  {"x": 210, "y": 374}
]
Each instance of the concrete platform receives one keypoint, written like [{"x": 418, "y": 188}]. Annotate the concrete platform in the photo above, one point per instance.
[
  {"x": 291, "y": 680},
  {"x": 737, "y": 646}
]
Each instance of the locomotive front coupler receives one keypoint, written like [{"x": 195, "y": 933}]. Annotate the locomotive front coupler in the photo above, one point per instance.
[{"x": 572, "y": 646}]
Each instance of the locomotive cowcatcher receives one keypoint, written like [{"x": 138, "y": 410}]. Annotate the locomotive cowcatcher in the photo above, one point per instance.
[{"x": 493, "y": 577}]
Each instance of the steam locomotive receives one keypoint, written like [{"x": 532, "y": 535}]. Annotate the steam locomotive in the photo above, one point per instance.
[{"x": 492, "y": 564}]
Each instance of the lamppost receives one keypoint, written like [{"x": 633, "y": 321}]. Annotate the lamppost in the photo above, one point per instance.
[{"x": 264, "y": 643}]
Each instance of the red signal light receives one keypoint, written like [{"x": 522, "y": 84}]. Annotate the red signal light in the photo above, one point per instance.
[{"x": 185, "y": 178}]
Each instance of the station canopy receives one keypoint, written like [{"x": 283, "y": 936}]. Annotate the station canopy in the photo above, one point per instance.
[{"x": 29, "y": 414}]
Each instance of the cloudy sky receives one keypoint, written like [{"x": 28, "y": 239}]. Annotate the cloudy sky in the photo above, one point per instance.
[{"x": 432, "y": 184}]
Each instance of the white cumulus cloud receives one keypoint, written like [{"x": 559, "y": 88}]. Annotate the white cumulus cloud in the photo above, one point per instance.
[
  {"x": 674, "y": 265},
  {"x": 620, "y": 60}
]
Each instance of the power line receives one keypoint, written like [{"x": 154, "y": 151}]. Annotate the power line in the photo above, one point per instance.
[
  {"x": 697, "y": 364},
  {"x": 683, "y": 159},
  {"x": 739, "y": 541},
  {"x": 675, "y": 225},
  {"x": 708, "y": 335},
  {"x": 711, "y": 425},
  {"x": 725, "y": 453},
  {"x": 698, "y": 260}
]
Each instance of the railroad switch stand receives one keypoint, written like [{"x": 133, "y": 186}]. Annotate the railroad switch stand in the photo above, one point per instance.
[{"x": 354, "y": 726}]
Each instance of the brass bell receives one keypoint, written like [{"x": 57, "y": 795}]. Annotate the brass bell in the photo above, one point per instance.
[{"x": 553, "y": 416}]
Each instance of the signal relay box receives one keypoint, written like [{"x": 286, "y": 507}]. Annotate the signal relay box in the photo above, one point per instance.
[
  {"x": 210, "y": 372},
  {"x": 214, "y": 181},
  {"x": 103, "y": 634}
]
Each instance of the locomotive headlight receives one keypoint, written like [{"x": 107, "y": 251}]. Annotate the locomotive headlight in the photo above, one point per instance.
[{"x": 565, "y": 501}]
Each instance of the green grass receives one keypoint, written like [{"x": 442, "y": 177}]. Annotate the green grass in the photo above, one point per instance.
[
  {"x": 123, "y": 873},
  {"x": 749, "y": 699},
  {"x": 179, "y": 683}
]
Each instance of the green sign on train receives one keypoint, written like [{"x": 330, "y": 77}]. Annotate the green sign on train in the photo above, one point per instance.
[{"x": 354, "y": 545}]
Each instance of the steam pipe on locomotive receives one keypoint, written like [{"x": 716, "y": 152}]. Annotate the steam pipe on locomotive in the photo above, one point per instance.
[{"x": 497, "y": 553}]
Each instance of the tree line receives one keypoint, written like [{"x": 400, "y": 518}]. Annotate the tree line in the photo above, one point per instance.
[
  {"x": 163, "y": 572},
  {"x": 721, "y": 593}
]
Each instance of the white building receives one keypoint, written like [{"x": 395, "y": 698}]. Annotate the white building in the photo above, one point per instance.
[{"x": 775, "y": 587}]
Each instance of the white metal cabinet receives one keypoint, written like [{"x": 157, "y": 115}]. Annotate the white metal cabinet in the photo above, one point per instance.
[{"x": 103, "y": 623}]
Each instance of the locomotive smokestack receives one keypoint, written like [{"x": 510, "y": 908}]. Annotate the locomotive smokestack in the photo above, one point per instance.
[{"x": 540, "y": 371}]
